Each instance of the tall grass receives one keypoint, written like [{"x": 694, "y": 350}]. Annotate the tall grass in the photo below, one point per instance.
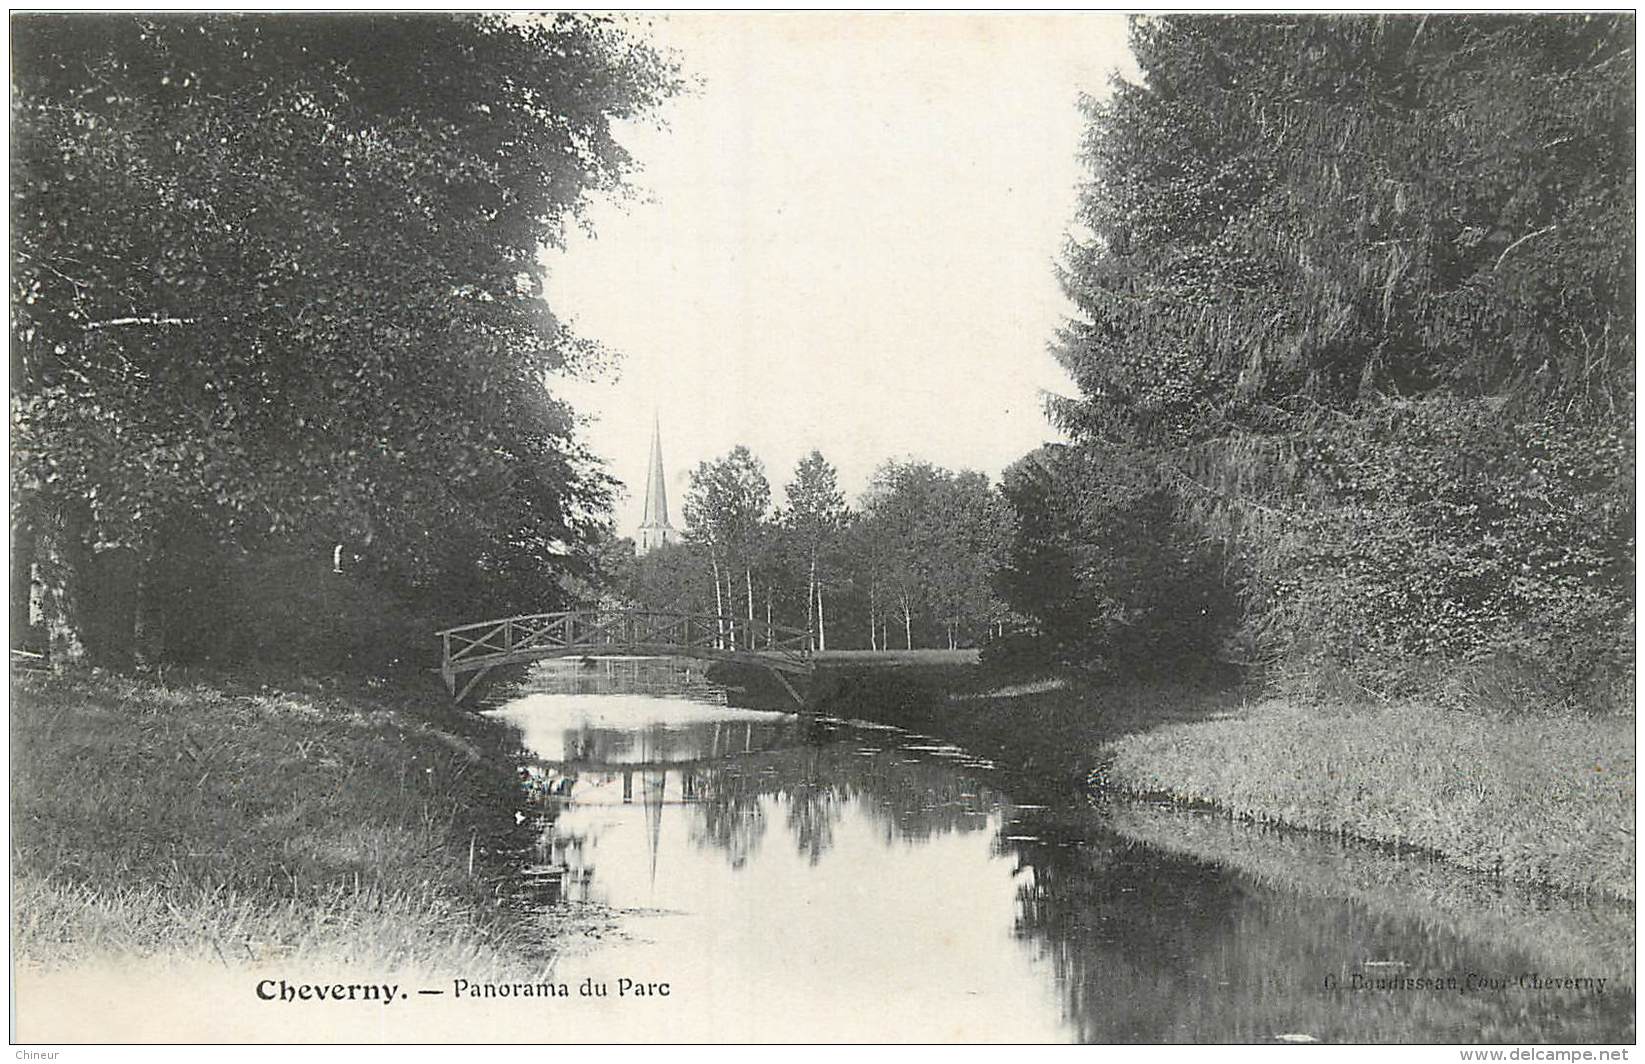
[
  {"x": 237, "y": 824},
  {"x": 1547, "y": 800}
]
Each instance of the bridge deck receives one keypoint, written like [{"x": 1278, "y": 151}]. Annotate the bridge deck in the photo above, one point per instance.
[{"x": 481, "y": 647}]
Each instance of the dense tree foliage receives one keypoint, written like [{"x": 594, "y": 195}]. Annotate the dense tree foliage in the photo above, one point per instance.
[
  {"x": 1296, "y": 214},
  {"x": 1118, "y": 582},
  {"x": 929, "y": 542},
  {"x": 1357, "y": 291},
  {"x": 676, "y": 577},
  {"x": 275, "y": 286}
]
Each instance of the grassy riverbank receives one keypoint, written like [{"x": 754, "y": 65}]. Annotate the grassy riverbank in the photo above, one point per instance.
[
  {"x": 1546, "y": 800},
  {"x": 240, "y": 825}
]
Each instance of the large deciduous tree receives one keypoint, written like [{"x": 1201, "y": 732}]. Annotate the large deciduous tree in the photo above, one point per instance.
[{"x": 276, "y": 285}]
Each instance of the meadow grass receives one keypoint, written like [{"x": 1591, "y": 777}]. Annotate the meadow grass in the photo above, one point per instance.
[
  {"x": 236, "y": 823},
  {"x": 1546, "y": 800}
]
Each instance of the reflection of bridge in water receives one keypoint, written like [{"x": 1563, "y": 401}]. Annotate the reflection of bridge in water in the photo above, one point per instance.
[
  {"x": 727, "y": 803},
  {"x": 479, "y": 648},
  {"x": 595, "y": 748},
  {"x": 668, "y": 677},
  {"x": 613, "y": 783}
]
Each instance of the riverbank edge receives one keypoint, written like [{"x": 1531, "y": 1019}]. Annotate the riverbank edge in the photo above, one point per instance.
[
  {"x": 248, "y": 820},
  {"x": 1516, "y": 799},
  {"x": 1558, "y": 929},
  {"x": 1542, "y": 802}
]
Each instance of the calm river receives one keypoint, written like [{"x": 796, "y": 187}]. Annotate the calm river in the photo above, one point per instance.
[{"x": 801, "y": 879}]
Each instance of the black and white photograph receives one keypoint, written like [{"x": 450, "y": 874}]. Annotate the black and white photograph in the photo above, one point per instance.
[{"x": 578, "y": 528}]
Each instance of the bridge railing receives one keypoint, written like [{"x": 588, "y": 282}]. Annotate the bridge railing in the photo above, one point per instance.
[{"x": 475, "y": 645}]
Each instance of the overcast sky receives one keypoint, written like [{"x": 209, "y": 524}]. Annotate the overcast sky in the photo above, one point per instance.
[{"x": 845, "y": 241}]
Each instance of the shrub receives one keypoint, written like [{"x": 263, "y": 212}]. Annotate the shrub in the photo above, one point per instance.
[{"x": 1457, "y": 534}]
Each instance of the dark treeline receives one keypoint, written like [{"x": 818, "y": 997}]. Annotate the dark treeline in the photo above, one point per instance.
[
  {"x": 1354, "y": 357},
  {"x": 911, "y": 566},
  {"x": 276, "y": 302}
]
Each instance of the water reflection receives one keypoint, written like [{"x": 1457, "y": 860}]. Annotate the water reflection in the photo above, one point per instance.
[
  {"x": 1148, "y": 947},
  {"x": 802, "y": 879}
]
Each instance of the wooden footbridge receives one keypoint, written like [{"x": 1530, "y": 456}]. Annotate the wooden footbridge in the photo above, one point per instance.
[{"x": 479, "y": 648}]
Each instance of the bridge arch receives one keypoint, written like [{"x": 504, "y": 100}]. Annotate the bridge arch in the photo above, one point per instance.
[{"x": 478, "y": 648}]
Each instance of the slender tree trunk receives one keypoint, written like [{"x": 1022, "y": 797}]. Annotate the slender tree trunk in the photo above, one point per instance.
[
  {"x": 730, "y": 618},
  {"x": 907, "y": 623},
  {"x": 873, "y": 618},
  {"x": 748, "y": 580},
  {"x": 810, "y": 604},
  {"x": 822, "y": 629},
  {"x": 719, "y": 605},
  {"x": 768, "y": 618},
  {"x": 730, "y": 597}
]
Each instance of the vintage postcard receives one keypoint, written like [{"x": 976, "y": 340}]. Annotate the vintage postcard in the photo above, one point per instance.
[{"x": 777, "y": 527}]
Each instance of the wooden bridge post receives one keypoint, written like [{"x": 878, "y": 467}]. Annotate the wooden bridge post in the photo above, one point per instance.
[
  {"x": 795, "y": 695},
  {"x": 479, "y": 674},
  {"x": 446, "y": 673}
]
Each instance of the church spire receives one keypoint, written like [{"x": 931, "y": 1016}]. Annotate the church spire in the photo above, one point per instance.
[{"x": 654, "y": 527}]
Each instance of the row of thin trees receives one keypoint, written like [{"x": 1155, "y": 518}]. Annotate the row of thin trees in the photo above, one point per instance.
[{"x": 911, "y": 565}]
